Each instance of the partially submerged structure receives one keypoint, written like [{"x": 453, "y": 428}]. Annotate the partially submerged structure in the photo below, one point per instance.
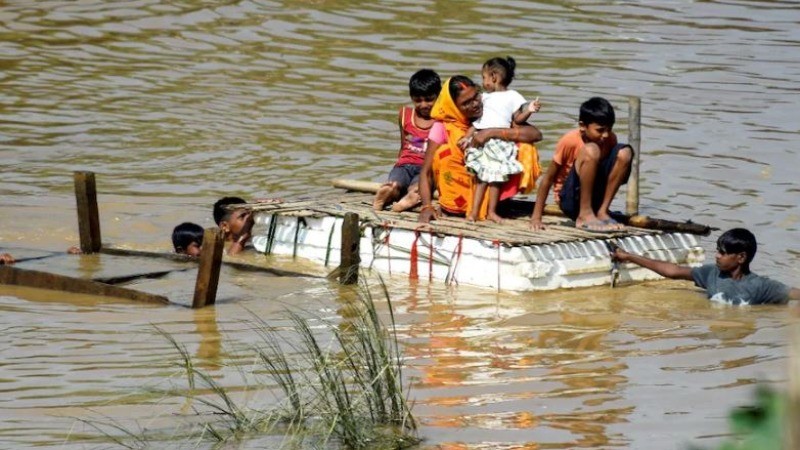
[{"x": 507, "y": 256}]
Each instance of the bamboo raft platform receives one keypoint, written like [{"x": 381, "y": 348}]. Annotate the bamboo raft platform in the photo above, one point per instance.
[{"x": 507, "y": 256}]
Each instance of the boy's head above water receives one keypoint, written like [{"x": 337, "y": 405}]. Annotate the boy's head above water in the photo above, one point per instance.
[
  {"x": 423, "y": 88},
  {"x": 231, "y": 221},
  {"x": 187, "y": 239},
  {"x": 736, "y": 248},
  {"x": 596, "y": 119}
]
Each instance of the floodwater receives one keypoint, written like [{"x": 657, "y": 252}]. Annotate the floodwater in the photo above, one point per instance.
[{"x": 175, "y": 104}]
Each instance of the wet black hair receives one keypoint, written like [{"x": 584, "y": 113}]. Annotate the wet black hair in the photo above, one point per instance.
[
  {"x": 504, "y": 67},
  {"x": 737, "y": 240},
  {"x": 220, "y": 212},
  {"x": 597, "y": 110},
  {"x": 424, "y": 83},
  {"x": 184, "y": 234},
  {"x": 457, "y": 84}
]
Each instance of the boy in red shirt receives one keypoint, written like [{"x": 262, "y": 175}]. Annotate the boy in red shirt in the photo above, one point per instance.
[
  {"x": 587, "y": 170},
  {"x": 415, "y": 124}
]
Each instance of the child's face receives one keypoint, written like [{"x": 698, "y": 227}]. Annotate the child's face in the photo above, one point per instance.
[
  {"x": 239, "y": 220},
  {"x": 489, "y": 81},
  {"x": 728, "y": 262},
  {"x": 594, "y": 132},
  {"x": 424, "y": 105},
  {"x": 193, "y": 249}
]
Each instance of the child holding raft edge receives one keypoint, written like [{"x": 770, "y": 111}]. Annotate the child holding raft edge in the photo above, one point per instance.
[{"x": 730, "y": 279}]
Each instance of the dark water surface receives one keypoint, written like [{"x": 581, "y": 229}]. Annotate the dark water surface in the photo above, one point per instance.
[{"x": 175, "y": 104}]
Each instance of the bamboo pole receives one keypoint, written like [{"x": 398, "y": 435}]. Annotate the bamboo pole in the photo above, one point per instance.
[
  {"x": 635, "y": 141},
  {"x": 205, "y": 289},
  {"x": 88, "y": 215},
  {"x": 351, "y": 257}
]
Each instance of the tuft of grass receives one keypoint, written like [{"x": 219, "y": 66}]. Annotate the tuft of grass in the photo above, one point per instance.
[{"x": 340, "y": 382}]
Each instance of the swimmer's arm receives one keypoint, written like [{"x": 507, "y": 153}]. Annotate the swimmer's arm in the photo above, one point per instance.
[
  {"x": 663, "y": 268},
  {"x": 237, "y": 246}
]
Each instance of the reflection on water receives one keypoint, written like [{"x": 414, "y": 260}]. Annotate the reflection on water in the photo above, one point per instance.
[{"x": 176, "y": 104}]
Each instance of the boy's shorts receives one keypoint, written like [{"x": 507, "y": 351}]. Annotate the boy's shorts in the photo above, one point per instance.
[
  {"x": 405, "y": 175},
  {"x": 571, "y": 190}
]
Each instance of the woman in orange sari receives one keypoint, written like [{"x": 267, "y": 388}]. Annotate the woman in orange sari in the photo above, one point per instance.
[{"x": 457, "y": 106}]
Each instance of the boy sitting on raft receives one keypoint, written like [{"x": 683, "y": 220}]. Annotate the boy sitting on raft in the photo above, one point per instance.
[
  {"x": 730, "y": 279},
  {"x": 187, "y": 239},
  {"x": 587, "y": 170},
  {"x": 236, "y": 224},
  {"x": 415, "y": 124}
]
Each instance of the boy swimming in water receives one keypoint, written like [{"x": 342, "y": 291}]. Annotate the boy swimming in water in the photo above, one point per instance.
[
  {"x": 187, "y": 239},
  {"x": 730, "y": 279},
  {"x": 236, "y": 224}
]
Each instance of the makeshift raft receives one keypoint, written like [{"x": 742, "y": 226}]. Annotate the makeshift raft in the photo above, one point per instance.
[{"x": 507, "y": 256}]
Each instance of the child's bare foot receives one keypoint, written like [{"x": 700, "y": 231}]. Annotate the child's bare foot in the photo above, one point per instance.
[
  {"x": 471, "y": 218},
  {"x": 592, "y": 224},
  {"x": 611, "y": 224},
  {"x": 410, "y": 200},
  {"x": 382, "y": 196},
  {"x": 494, "y": 218}
]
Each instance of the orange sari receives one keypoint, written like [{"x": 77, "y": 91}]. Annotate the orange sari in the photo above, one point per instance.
[{"x": 455, "y": 183}]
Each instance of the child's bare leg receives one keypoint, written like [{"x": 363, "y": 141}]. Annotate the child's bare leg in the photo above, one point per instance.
[
  {"x": 586, "y": 166},
  {"x": 387, "y": 192},
  {"x": 621, "y": 167},
  {"x": 494, "y": 198},
  {"x": 410, "y": 200},
  {"x": 477, "y": 200}
]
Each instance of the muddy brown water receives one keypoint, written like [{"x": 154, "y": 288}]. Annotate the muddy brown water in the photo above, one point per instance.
[{"x": 175, "y": 104}]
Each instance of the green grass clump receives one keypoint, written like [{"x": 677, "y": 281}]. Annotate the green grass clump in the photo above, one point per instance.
[{"x": 341, "y": 384}]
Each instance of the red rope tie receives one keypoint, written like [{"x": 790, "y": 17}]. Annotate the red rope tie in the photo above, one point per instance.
[
  {"x": 413, "y": 273},
  {"x": 496, "y": 243}
]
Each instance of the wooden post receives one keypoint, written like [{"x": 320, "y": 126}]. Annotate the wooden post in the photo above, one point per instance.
[
  {"x": 88, "y": 216},
  {"x": 205, "y": 289},
  {"x": 635, "y": 141},
  {"x": 351, "y": 257}
]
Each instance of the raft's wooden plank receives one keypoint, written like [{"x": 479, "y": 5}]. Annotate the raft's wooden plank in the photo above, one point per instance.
[
  {"x": 513, "y": 232},
  {"x": 43, "y": 280}
]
